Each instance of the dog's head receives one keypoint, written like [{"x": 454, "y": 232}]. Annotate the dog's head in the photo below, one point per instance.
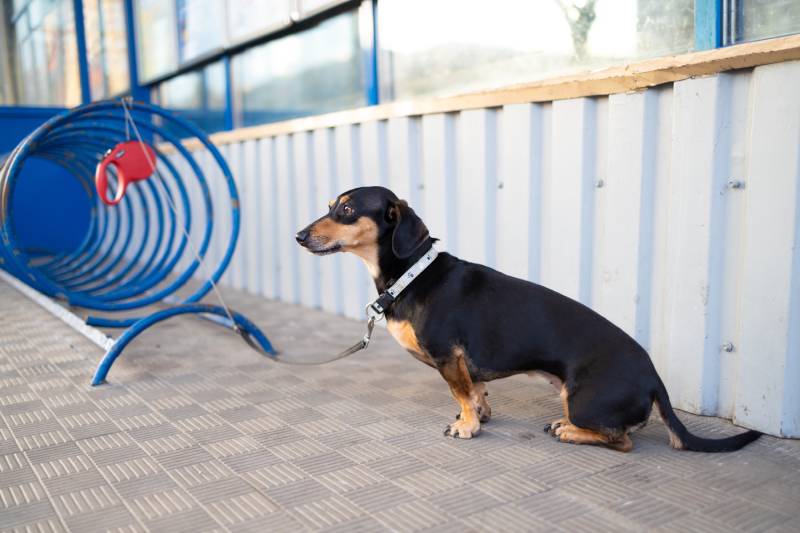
[{"x": 366, "y": 221}]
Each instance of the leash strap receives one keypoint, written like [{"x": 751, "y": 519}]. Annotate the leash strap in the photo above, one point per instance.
[
  {"x": 360, "y": 345},
  {"x": 374, "y": 310}
]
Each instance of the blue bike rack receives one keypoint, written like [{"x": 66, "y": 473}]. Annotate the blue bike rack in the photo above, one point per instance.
[{"x": 101, "y": 276}]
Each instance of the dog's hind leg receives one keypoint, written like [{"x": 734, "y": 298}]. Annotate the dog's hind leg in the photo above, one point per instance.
[
  {"x": 555, "y": 424},
  {"x": 594, "y": 418},
  {"x": 575, "y": 435}
]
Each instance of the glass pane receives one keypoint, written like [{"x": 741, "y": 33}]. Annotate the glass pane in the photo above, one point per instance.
[
  {"x": 156, "y": 32},
  {"x": 761, "y": 19},
  {"x": 315, "y": 71},
  {"x": 6, "y": 77},
  {"x": 201, "y": 27},
  {"x": 44, "y": 55},
  {"x": 198, "y": 95},
  {"x": 454, "y": 46},
  {"x": 106, "y": 47},
  {"x": 312, "y": 6},
  {"x": 249, "y": 18}
]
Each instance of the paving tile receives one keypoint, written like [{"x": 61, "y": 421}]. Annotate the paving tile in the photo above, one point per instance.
[
  {"x": 412, "y": 516},
  {"x": 379, "y": 496},
  {"x": 464, "y": 501},
  {"x": 237, "y": 443}
]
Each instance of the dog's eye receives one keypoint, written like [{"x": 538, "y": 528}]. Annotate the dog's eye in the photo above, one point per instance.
[{"x": 348, "y": 211}]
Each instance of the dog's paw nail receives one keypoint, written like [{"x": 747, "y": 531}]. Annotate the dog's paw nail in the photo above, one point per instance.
[
  {"x": 458, "y": 416},
  {"x": 548, "y": 428},
  {"x": 486, "y": 394},
  {"x": 455, "y": 434},
  {"x": 447, "y": 431}
]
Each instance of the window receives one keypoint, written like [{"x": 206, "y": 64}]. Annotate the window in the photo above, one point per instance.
[
  {"x": 250, "y": 18},
  {"x": 198, "y": 95},
  {"x": 156, "y": 36},
  {"x": 309, "y": 7},
  {"x": 761, "y": 19},
  {"x": 106, "y": 47},
  {"x": 454, "y": 46},
  {"x": 40, "y": 64},
  {"x": 315, "y": 71},
  {"x": 6, "y": 87},
  {"x": 201, "y": 28}
]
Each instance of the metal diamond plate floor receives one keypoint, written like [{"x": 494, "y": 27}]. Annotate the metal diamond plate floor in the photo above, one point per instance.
[{"x": 195, "y": 432}]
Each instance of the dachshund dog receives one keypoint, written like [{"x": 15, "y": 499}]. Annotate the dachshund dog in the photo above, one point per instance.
[{"x": 474, "y": 324}]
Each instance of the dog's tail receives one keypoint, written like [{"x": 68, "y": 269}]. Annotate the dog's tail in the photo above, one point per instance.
[{"x": 681, "y": 439}]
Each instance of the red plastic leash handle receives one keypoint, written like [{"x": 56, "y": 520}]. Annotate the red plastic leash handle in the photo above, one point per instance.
[
  {"x": 101, "y": 182},
  {"x": 133, "y": 160}
]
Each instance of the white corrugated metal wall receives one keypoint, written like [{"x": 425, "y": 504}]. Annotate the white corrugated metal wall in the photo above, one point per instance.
[{"x": 622, "y": 202}]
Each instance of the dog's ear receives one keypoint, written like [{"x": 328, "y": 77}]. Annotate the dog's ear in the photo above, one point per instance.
[{"x": 409, "y": 231}]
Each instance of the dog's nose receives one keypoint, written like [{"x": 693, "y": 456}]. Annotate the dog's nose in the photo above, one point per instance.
[{"x": 302, "y": 236}]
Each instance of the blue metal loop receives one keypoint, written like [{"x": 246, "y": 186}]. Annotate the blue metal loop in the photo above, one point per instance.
[{"x": 145, "y": 249}]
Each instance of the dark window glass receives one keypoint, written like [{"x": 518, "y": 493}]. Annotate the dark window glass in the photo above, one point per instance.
[
  {"x": 156, "y": 36},
  {"x": 198, "y": 95},
  {"x": 761, "y": 19},
  {"x": 454, "y": 46},
  {"x": 40, "y": 64},
  {"x": 106, "y": 47},
  {"x": 201, "y": 28},
  {"x": 250, "y": 18},
  {"x": 315, "y": 71}
]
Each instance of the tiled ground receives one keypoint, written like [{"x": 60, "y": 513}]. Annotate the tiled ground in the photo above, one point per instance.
[{"x": 196, "y": 432}]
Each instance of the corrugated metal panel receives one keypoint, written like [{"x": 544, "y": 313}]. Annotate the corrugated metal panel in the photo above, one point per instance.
[{"x": 621, "y": 202}]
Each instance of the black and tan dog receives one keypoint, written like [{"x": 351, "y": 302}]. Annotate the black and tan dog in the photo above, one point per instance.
[{"x": 474, "y": 324}]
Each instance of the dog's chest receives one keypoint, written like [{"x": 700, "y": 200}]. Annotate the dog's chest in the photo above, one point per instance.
[{"x": 403, "y": 333}]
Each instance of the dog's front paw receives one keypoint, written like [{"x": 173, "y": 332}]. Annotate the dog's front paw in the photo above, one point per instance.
[
  {"x": 462, "y": 429},
  {"x": 484, "y": 412}
]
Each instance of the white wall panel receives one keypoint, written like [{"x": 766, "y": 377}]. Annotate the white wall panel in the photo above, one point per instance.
[
  {"x": 348, "y": 176},
  {"x": 624, "y": 251},
  {"x": 285, "y": 207},
  {"x": 269, "y": 218},
  {"x": 699, "y": 174},
  {"x": 570, "y": 212},
  {"x": 769, "y": 365},
  {"x": 251, "y": 239},
  {"x": 235, "y": 160},
  {"x": 439, "y": 175},
  {"x": 476, "y": 185},
  {"x": 330, "y": 289},
  {"x": 514, "y": 182},
  {"x": 657, "y": 341},
  {"x": 663, "y": 247},
  {"x": 309, "y": 207}
]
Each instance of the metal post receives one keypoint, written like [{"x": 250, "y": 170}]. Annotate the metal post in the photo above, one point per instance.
[
  {"x": 368, "y": 37},
  {"x": 707, "y": 24},
  {"x": 83, "y": 60},
  {"x": 226, "y": 62},
  {"x": 139, "y": 92}
]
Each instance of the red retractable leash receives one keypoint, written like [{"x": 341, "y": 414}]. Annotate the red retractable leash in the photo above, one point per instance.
[{"x": 133, "y": 162}]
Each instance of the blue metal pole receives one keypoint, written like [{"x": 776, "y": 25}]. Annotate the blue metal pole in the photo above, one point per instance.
[
  {"x": 226, "y": 61},
  {"x": 138, "y": 91},
  {"x": 371, "y": 82},
  {"x": 83, "y": 59},
  {"x": 131, "y": 333},
  {"x": 707, "y": 24}
]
